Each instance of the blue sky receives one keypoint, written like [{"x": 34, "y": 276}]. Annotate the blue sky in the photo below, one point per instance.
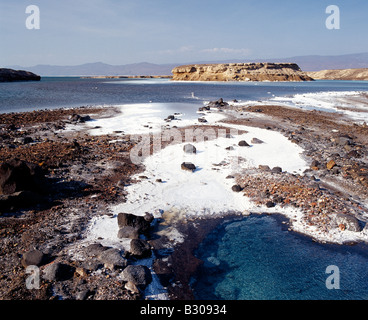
[{"x": 177, "y": 31}]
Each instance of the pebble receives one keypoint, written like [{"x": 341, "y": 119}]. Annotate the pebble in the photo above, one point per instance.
[
  {"x": 33, "y": 257},
  {"x": 243, "y": 143},
  {"x": 188, "y": 166}
]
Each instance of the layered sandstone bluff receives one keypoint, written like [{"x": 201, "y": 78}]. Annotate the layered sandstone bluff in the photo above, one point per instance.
[
  {"x": 340, "y": 74},
  {"x": 240, "y": 72}
]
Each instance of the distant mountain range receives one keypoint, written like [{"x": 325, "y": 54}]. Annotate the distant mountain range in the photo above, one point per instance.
[{"x": 306, "y": 63}]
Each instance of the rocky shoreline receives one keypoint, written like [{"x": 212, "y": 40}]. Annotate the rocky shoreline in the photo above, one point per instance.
[
  {"x": 331, "y": 195},
  {"x": 83, "y": 175}
]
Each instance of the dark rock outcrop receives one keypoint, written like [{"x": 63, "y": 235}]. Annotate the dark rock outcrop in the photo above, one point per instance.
[
  {"x": 112, "y": 258},
  {"x": 140, "y": 223},
  {"x": 33, "y": 258},
  {"x": 188, "y": 166},
  {"x": 138, "y": 275},
  {"x": 216, "y": 104},
  {"x": 58, "y": 271},
  {"x": 140, "y": 248},
  {"x": 243, "y": 143},
  {"x": 17, "y": 175},
  {"x": 236, "y": 188},
  {"x": 128, "y": 232},
  {"x": 10, "y": 75},
  {"x": 276, "y": 170},
  {"x": 78, "y": 118}
]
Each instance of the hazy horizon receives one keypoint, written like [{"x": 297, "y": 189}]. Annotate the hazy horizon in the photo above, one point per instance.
[{"x": 192, "y": 62}]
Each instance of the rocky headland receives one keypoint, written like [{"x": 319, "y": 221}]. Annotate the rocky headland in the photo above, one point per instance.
[
  {"x": 240, "y": 72},
  {"x": 10, "y": 75},
  {"x": 340, "y": 74}
]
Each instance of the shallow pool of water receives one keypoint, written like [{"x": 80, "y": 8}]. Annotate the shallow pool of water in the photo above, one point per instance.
[{"x": 258, "y": 258}]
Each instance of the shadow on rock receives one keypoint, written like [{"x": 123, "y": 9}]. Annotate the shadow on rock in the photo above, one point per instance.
[{"x": 25, "y": 185}]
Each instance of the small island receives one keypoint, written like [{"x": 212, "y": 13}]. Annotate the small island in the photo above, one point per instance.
[
  {"x": 240, "y": 72},
  {"x": 10, "y": 75}
]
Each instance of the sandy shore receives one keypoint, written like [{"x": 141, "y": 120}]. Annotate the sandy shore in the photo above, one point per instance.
[{"x": 306, "y": 165}]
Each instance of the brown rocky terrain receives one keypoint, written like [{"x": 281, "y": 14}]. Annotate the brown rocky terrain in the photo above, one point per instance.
[
  {"x": 42, "y": 214},
  {"x": 81, "y": 175},
  {"x": 240, "y": 72},
  {"x": 331, "y": 193},
  {"x": 340, "y": 74}
]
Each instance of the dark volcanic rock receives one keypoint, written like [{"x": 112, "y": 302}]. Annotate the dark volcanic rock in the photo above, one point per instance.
[
  {"x": 95, "y": 249},
  {"x": 112, "y": 259},
  {"x": 20, "y": 199},
  {"x": 17, "y": 175},
  {"x": 9, "y": 75},
  {"x": 139, "y": 275},
  {"x": 128, "y": 232},
  {"x": 23, "y": 140},
  {"x": 77, "y": 118},
  {"x": 33, "y": 258},
  {"x": 188, "y": 166},
  {"x": 243, "y": 143},
  {"x": 236, "y": 188},
  {"x": 270, "y": 204},
  {"x": 141, "y": 224},
  {"x": 276, "y": 170},
  {"x": 217, "y": 104},
  {"x": 58, "y": 271},
  {"x": 140, "y": 248}
]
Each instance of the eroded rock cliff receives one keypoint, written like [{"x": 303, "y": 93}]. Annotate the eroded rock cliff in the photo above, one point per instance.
[
  {"x": 240, "y": 72},
  {"x": 340, "y": 74}
]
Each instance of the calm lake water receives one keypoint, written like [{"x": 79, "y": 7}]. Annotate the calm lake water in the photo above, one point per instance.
[{"x": 57, "y": 92}]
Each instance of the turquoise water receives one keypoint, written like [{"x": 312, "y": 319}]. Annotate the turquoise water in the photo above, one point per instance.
[{"x": 257, "y": 258}]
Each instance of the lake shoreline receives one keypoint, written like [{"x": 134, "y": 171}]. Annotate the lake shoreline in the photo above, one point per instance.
[{"x": 68, "y": 157}]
